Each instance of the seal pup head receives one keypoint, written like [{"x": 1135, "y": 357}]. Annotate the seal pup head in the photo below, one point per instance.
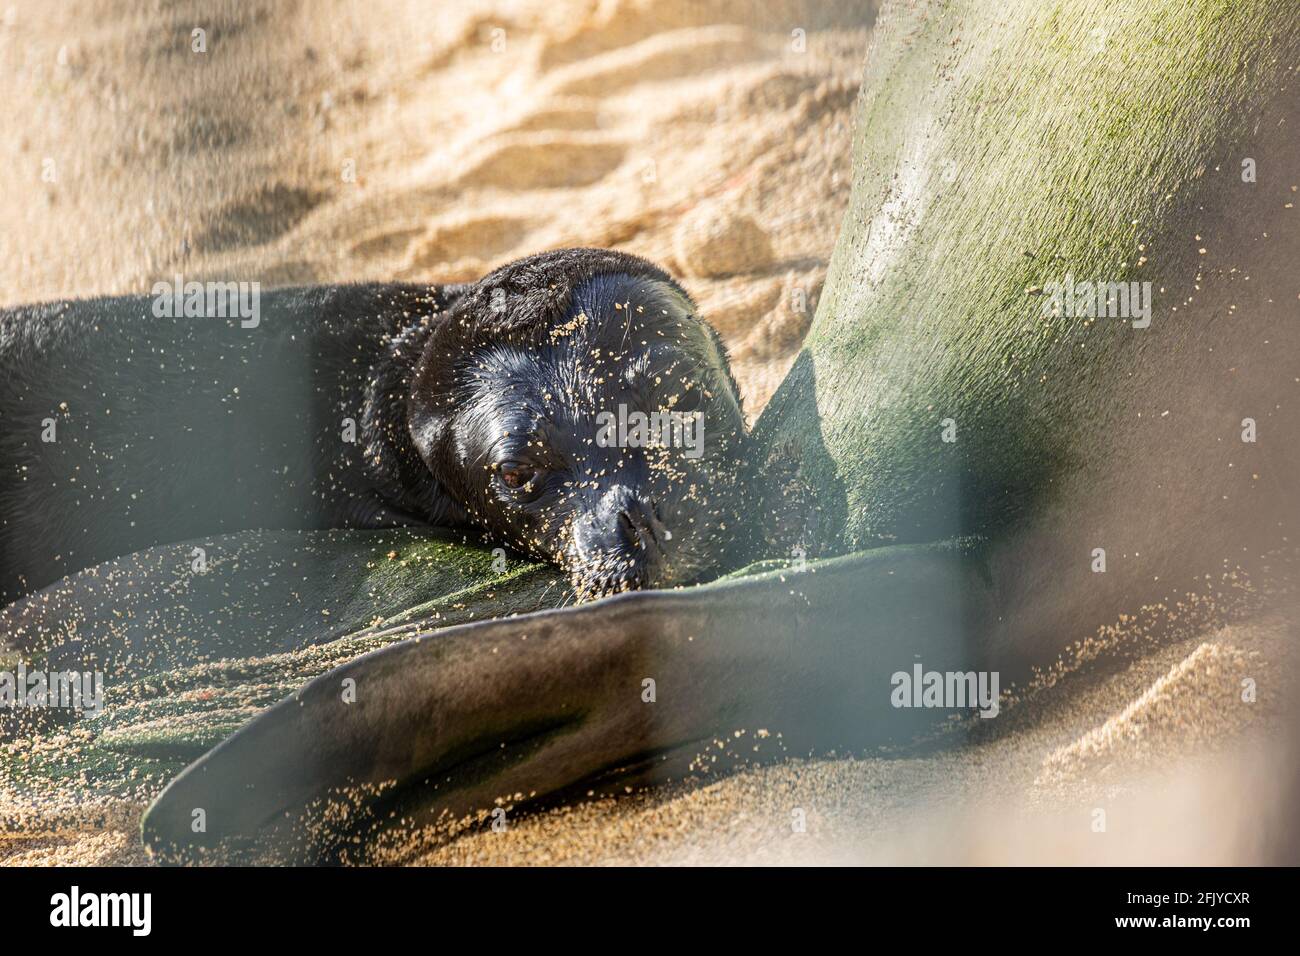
[{"x": 577, "y": 407}]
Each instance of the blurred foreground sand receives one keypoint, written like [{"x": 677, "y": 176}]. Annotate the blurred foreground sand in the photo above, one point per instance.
[{"x": 393, "y": 139}]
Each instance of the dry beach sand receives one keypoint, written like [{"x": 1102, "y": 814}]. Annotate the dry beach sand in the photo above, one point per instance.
[
  {"x": 432, "y": 142},
  {"x": 346, "y": 140}
]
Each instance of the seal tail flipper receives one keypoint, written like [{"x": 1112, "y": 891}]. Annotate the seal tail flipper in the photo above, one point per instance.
[{"x": 524, "y": 707}]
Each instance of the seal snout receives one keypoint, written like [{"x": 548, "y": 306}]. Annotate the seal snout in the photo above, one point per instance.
[
  {"x": 641, "y": 526},
  {"x": 624, "y": 544},
  {"x": 628, "y": 523}
]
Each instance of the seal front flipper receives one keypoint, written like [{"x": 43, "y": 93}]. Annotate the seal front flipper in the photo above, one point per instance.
[{"x": 443, "y": 725}]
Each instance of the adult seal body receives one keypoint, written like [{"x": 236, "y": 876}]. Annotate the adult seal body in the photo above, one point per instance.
[{"x": 370, "y": 406}]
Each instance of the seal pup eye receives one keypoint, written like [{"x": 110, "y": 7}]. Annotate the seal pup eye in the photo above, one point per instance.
[{"x": 516, "y": 474}]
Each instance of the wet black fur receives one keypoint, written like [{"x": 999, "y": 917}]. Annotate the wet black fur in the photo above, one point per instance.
[
  {"x": 591, "y": 329},
  {"x": 169, "y": 429}
]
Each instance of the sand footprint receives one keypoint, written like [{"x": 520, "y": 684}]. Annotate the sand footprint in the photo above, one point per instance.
[
  {"x": 269, "y": 212},
  {"x": 566, "y": 113},
  {"x": 620, "y": 23},
  {"x": 384, "y": 243},
  {"x": 666, "y": 56},
  {"x": 543, "y": 161},
  {"x": 735, "y": 310},
  {"x": 459, "y": 249}
]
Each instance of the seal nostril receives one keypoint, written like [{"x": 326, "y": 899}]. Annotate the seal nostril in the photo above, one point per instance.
[
  {"x": 657, "y": 526},
  {"x": 658, "y": 518},
  {"x": 627, "y": 527},
  {"x": 640, "y": 526}
]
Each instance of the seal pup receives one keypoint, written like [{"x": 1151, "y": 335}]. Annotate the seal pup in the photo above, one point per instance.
[
  {"x": 368, "y": 406},
  {"x": 574, "y": 404}
]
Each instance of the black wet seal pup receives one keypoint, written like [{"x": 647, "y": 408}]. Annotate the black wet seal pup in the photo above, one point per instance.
[
  {"x": 374, "y": 406},
  {"x": 576, "y": 405}
]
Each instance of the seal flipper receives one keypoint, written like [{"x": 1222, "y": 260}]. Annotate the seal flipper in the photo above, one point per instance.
[{"x": 447, "y": 723}]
